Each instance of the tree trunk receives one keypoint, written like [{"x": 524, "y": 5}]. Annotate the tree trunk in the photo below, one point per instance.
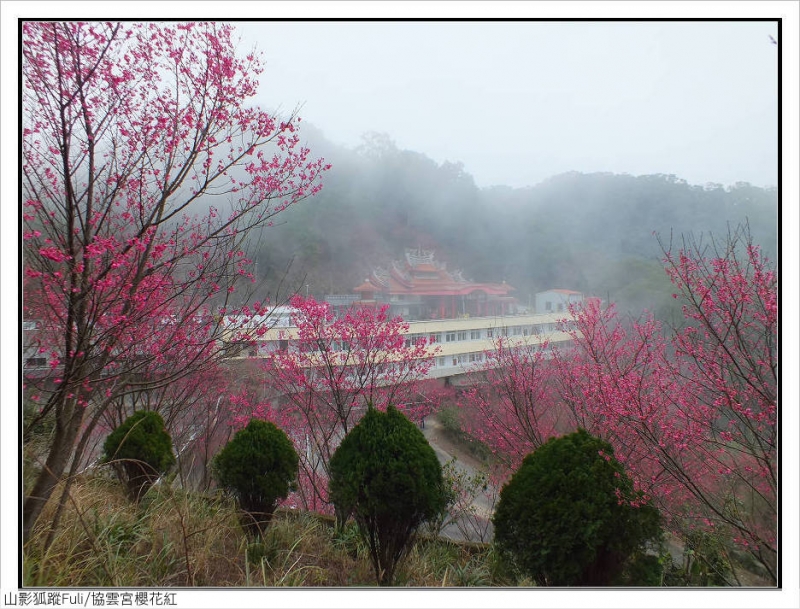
[
  {"x": 342, "y": 516},
  {"x": 51, "y": 473}
]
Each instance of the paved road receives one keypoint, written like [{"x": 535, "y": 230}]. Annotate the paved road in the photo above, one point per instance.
[{"x": 445, "y": 450}]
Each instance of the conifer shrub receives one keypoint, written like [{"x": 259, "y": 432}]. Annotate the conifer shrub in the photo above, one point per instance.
[
  {"x": 387, "y": 475},
  {"x": 140, "y": 451},
  {"x": 258, "y": 467},
  {"x": 570, "y": 516}
]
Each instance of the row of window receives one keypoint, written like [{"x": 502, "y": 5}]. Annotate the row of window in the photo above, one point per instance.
[
  {"x": 480, "y": 334},
  {"x": 459, "y": 360},
  {"x": 463, "y": 359},
  {"x": 548, "y": 306},
  {"x": 411, "y": 339}
]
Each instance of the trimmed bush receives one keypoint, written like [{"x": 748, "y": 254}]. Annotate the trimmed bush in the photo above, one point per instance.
[
  {"x": 566, "y": 517},
  {"x": 387, "y": 475},
  {"x": 258, "y": 467},
  {"x": 140, "y": 450}
]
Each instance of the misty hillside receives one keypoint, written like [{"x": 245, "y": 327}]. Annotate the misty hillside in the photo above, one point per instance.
[{"x": 589, "y": 232}]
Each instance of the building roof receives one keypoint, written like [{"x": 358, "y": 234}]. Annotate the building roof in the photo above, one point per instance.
[{"x": 421, "y": 275}]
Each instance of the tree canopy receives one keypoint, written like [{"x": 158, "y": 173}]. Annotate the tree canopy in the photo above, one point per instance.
[
  {"x": 387, "y": 475},
  {"x": 570, "y": 516},
  {"x": 258, "y": 466}
]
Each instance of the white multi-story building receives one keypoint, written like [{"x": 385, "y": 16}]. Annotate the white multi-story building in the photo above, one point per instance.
[
  {"x": 460, "y": 320},
  {"x": 461, "y": 344},
  {"x": 556, "y": 301},
  {"x": 456, "y": 345}
]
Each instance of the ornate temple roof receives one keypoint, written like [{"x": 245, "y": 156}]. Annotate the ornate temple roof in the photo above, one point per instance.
[{"x": 422, "y": 275}]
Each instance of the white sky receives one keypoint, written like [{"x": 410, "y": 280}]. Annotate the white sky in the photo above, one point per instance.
[{"x": 519, "y": 101}]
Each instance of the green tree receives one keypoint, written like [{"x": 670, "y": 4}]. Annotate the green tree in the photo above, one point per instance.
[
  {"x": 705, "y": 563},
  {"x": 140, "y": 450},
  {"x": 258, "y": 467},
  {"x": 570, "y": 516},
  {"x": 387, "y": 475}
]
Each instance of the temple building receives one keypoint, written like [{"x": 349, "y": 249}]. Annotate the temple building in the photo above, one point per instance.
[
  {"x": 459, "y": 320},
  {"x": 420, "y": 287}
]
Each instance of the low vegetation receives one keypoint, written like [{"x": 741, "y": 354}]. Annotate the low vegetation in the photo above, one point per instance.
[
  {"x": 450, "y": 418},
  {"x": 175, "y": 538},
  {"x": 139, "y": 450},
  {"x": 569, "y": 516},
  {"x": 258, "y": 468},
  {"x": 387, "y": 475}
]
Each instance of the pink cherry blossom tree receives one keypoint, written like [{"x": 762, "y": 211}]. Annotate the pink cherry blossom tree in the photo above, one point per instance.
[
  {"x": 335, "y": 367},
  {"x": 144, "y": 168},
  {"x": 196, "y": 412},
  {"x": 310, "y": 492},
  {"x": 512, "y": 404},
  {"x": 730, "y": 347},
  {"x": 693, "y": 412}
]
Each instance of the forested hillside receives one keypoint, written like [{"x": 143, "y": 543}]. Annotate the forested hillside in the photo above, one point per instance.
[{"x": 596, "y": 233}]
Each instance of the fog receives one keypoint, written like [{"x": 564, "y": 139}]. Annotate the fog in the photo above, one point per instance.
[
  {"x": 597, "y": 233},
  {"x": 544, "y": 154},
  {"x": 519, "y": 101}
]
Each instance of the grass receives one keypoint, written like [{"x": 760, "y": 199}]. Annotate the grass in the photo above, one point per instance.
[
  {"x": 177, "y": 538},
  {"x": 450, "y": 418},
  {"x": 171, "y": 539}
]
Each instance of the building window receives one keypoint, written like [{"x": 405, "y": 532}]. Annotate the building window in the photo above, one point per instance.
[
  {"x": 462, "y": 336},
  {"x": 490, "y": 333},
  {"x": 433, "y": 338},
  {"x": 560, "y": 306},
  {"x": 450, "y": 337},
  {"x": 474, "y": 334},
  {"x": 413, "y": 339}
]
